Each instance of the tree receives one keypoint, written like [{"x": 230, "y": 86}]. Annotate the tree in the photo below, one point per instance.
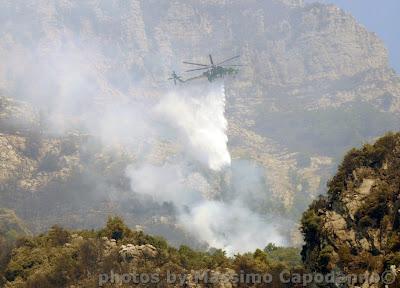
[{"x": 116, "y": 229}]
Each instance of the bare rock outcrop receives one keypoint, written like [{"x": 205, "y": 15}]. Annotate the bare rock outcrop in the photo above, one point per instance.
[
  {"x": 355, "y": 228},
  {"x": 130, "y": 252}
]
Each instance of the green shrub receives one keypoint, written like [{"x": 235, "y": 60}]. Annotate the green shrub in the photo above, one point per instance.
[
  {"x": 116, "y": 229},
  {"x": 248, "y": 264},
  {"x": 190, "y": 259},
  {"x": 324, "y": 258},
  {"x": 371, "y": 156},
  {"x": 375, "y": 207},
  {"x": 58, "y": 236},
  {"x": 310, "y": 226},
  {"x": 288, "y": 256}
]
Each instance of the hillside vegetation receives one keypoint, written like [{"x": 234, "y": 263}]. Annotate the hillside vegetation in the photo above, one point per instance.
[
  {"x": 62, "y": 258},
  {"x": 356, "y": 227},
  {"x": 314, "y": 82}
]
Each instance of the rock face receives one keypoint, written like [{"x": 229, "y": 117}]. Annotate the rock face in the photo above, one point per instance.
[
  {"x": 315, "y": 81},
  {"x": 68, "y": 179},
  {"x": 131, "y": 252},
  {"x": 309, "y": 55},
  {"x": 299, "y": 58},
  {"x": 355, "y": 228},
  {"x": 41, "y": 174}
]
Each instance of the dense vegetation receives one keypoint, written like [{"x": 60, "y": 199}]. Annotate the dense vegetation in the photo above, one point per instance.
[
  {"x": 60, "y": 258},
  {"x": 356, "y": 227}
]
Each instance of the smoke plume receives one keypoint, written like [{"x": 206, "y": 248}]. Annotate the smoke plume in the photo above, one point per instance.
[
  {"x": 197, "y": 114},
  {"x": 216, "y": 202}
]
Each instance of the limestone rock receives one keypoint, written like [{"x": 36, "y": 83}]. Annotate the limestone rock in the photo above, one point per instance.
[
  {"x": 355, "y": 227},
  {"x": 132, "y": 252}
]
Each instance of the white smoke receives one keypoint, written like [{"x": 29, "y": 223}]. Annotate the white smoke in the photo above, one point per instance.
[
  {"x": 198, "y": 115},
  {"x": 230, "y": 226},
  {"x": 169, "y": 183},
  {"x": 70, "y": 80}
]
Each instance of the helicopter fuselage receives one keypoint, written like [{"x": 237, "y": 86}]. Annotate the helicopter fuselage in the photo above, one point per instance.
[{"x": 218, "y": 72}]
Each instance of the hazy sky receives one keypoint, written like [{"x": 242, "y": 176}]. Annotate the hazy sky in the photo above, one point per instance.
[{"x": 379, "y": 16}]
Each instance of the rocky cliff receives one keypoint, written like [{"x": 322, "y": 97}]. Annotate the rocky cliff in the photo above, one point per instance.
[
  {"x": 69, "y": 179},
  {"x": 315, "y": 82},
  {"x": 355, "y": 228}
]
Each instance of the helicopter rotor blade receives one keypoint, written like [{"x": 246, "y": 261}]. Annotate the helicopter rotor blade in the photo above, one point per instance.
[
  {"x": 194, "y": 78},
  {"x": 233, "y": 65},
  {"x": 198, "y": 64},
  {"x": 229, "y": 59},
  {"x": 197, "y": 69}
]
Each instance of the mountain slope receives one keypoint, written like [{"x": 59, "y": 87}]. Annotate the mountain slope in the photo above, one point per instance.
[
  {"x": 315, "y": 84},
  {"x": 299, "y": 58},
  {"x": 355, "y": 228}
]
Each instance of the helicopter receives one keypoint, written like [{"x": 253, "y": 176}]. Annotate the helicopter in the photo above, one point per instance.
[
  {"x": 176, "y": 78},
  {"x": 214, "y": 71}
]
